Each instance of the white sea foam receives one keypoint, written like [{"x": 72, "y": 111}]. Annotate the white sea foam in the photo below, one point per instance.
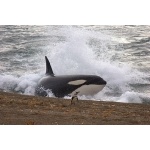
[{"x": 25, "y": 84}]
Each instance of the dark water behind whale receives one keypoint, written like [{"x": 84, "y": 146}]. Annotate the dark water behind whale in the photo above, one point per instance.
[{"x": 119, "y": 54}]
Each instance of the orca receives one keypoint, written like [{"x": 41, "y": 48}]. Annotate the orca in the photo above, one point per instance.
[{"x": 68, "y": 85}]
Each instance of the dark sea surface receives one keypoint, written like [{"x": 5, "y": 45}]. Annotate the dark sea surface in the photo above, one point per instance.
[{"x": 119, "y": 54}]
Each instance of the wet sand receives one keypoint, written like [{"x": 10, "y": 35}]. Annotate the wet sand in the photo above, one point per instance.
[{"x": 16, "y": 109}]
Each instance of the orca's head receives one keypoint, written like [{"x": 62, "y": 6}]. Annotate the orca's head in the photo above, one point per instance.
[
  {"x": 89, "y": 85},
  {"x": 95, "y": 80}
]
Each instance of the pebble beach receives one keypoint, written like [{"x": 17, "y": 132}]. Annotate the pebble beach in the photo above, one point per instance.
[{"x": 17, "y": 109}]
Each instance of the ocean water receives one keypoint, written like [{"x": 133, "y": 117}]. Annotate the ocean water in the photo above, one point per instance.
[{"x": 119, "y": 54}]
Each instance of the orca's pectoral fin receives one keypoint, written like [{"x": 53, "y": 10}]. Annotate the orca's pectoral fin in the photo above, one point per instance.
[{"x": 49, "y": 70}]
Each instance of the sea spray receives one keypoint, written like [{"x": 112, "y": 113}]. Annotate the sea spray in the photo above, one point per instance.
[{"x": 72, "y": 50}]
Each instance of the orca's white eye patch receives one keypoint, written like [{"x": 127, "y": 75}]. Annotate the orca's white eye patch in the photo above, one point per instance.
[{"x": 76, "y": 82}]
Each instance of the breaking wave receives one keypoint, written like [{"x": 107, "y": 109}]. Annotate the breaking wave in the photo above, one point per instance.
[{"x": 80, "y": 51}]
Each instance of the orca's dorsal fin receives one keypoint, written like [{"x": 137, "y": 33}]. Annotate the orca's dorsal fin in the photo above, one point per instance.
[{"x": 49, "y": 70}]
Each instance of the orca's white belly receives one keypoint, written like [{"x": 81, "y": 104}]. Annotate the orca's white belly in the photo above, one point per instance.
[{"x": 91, "y": 89}]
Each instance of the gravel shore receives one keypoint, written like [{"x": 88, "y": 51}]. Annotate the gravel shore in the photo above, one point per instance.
[{"x": 16, "y": 109}]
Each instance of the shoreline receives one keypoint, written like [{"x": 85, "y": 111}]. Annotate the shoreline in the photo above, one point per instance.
[{"x": 17, "y": 109}]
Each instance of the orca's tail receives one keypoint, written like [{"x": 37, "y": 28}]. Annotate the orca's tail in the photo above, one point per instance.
[{"x": 49, "y": 70}]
